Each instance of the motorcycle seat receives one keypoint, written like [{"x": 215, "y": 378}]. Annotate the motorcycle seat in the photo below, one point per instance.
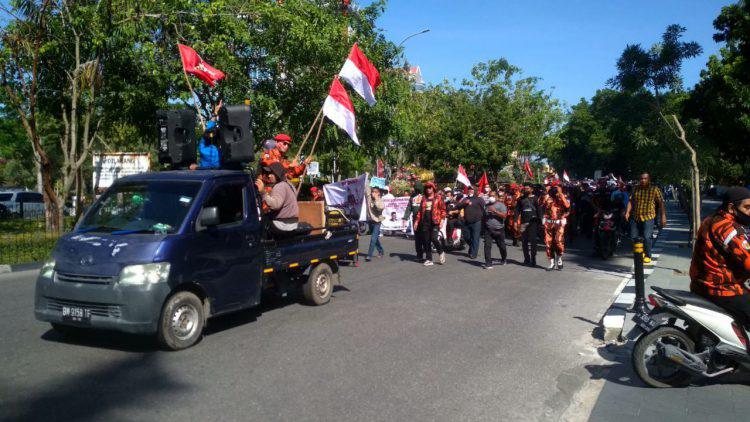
[{"x": 682, "y": 298}]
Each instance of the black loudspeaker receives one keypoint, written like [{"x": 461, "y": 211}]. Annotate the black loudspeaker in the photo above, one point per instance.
[
  {"x": 236, "y": 135},
  {"x": 176, "y": 137}
]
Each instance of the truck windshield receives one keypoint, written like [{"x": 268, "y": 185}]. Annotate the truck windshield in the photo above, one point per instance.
[{"x": 141, "y": 207}]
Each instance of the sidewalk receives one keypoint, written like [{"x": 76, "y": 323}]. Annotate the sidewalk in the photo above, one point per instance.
[{"x": 671, "y": 271}]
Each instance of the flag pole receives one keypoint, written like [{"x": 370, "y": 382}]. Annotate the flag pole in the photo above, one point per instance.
[
  {"x": 190, "y": 87},
  {"x": 317, "y": 135},
  {"x": 309, "y": 132}
]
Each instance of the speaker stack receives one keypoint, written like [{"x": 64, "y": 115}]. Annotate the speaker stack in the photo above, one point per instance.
[
  {"x": 176, "y": 137},
  {"x": 235, "y": 135}
]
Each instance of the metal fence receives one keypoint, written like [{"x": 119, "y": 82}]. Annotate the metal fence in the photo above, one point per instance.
[{"x": 25, "y": 239}]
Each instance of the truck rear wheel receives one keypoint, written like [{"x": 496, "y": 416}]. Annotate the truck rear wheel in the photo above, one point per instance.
[
  {"x": 319, "y": 285},
  {"x": 181, "y": 321}
]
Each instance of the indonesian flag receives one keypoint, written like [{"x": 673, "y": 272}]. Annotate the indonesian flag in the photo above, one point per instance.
[
  {"x": 462, "y": 177},
  {"x": 482, "y": 182},
  {"x": 527, "y": 167},
  {"x": 194, "y": 65},
  {"x": 338, "y": 107},
  {"x": 565, "y": 176},
  {"x": 361, "y": 74}
]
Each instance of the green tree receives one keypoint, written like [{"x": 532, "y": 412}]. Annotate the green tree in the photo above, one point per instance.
[{"x": 721, "y": 100}]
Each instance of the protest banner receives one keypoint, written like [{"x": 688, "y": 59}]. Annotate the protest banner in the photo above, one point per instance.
[
  {"x": 394, "y": 212},
  {"x": 348, "y": 195},
  {"x": 110, "y": 167}
]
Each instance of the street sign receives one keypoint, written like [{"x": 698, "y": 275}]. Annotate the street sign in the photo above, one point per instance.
[{"x": 110, "y": 167}]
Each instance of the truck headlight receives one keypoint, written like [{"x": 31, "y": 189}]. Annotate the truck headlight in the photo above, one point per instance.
[
  {"x": 48, "y": 269},
  {"x": 141, "y": 274}
]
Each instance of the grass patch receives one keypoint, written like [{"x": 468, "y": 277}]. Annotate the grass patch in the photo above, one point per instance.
[{"x": 26, "y": 240}]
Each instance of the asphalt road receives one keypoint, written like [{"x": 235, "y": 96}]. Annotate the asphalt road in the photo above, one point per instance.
[{"x": 398, "y": 341}]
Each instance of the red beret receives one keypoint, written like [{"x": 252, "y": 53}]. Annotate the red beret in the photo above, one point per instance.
[{"x": 282, "y": 137}]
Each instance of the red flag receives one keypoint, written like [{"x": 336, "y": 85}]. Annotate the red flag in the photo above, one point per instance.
[
  {"x": 194, "y": 65},
  {"x": 381, "y": 168},
  {"x": 527, "y": 167},
  {"x": 482, "y": 182}
]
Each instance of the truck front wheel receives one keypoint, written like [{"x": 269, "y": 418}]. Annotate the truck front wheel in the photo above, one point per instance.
[
  {"x": 319, "y": 285},
  {"x": 181, "y": 321}
]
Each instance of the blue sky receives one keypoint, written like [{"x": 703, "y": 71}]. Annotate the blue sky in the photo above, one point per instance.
[{"x": 572, "y": 45}]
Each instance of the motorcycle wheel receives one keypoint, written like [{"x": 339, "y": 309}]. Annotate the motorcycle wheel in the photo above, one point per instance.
[{"x": 654, "y": 370}]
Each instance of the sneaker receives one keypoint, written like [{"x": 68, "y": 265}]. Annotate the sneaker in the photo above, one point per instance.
[
  {"x": 551, "y": 265},
  {"x": 559, "y": 263},
  {"x": 502, "y": 262},
  {"x": 428, "y": 263},
  {"x": 646, "y": 260},
  {"x": 487, "y": 267},
  {"x": 442, "y": 258},
  {"x": 368, "y": 259}
]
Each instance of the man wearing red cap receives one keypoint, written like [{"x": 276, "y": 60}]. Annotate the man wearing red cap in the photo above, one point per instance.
[
  {"x": 278, "y": 155},
  {"x": 556, "y": 207},
  {"x": 317, "y": 195}
]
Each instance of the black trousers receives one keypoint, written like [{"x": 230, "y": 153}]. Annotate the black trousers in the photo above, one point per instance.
[
  {"x": 498, "y": 236},
  {"x": 737, "y": 306},
  {"x": 430, "y": 236},
  {"x": 419, "y": 242},
  {"x": 529, "y": 238}
]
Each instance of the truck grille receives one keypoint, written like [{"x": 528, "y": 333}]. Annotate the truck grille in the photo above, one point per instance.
[
  {"x": 99, "y": 309},
  {"x": 87, "y": 279}
]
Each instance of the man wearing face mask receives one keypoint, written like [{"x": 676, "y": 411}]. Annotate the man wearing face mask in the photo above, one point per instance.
[
  {"x": 529, "y": 217},
  {"x": 494, "y": 228},
  {"x": 721, "y": 257}
]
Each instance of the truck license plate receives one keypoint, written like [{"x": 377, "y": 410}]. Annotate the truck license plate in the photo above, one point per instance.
[{"x": 76, "y": 314}]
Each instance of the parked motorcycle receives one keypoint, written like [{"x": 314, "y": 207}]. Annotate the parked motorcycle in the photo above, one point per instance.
[
  {"x": 606, "y": 237},
  {"x": 686, "y": 337}
]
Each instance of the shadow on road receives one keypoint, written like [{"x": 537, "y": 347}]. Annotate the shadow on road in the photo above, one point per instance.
[
  {"x": 104, "y": 339},
  {"x": 94, "y": 394}
]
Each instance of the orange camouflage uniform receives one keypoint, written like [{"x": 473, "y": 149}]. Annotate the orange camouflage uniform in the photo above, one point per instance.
[
  {"x": 511, "y": 200},
  {"x": 555, "y": 214},
  {"x": 721, "y": 257},
  {"x": 275, "y": 156}
]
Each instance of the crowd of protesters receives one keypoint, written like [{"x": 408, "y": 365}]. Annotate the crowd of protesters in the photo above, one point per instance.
[{"x": 554, "y": 213}]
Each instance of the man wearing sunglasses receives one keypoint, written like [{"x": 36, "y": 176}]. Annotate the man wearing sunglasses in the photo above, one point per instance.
[
  {"x": 278, "y": 155},
  {"x": 641, "y": 212}
]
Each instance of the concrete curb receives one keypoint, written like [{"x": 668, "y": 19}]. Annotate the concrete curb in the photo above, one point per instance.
[{"x": 7, "y": 269}]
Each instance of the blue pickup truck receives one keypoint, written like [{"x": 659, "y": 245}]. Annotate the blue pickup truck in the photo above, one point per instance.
[{"x": 160, "y": 253}]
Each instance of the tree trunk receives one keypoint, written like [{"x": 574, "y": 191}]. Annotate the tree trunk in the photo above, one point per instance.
[{"x": 695, "y": 182}]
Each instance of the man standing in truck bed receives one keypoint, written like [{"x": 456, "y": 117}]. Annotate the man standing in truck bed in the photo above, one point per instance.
[{"x": 278, "y": 155}]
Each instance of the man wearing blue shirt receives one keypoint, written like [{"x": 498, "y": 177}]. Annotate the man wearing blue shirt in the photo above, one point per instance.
[{"x": 210, "y": 155}]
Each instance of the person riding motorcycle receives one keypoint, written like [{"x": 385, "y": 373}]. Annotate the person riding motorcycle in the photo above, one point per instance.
[{"x": 721, "y": 258}]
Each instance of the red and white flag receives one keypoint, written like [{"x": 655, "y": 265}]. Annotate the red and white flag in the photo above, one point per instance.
[
  {"x": 565, "y": 176},
  {"x": 194, "y": 65},
  {"x": 360, "y": 73},
  {"x": 339, "y": 108},
  {"x": 461, "y": 177}
]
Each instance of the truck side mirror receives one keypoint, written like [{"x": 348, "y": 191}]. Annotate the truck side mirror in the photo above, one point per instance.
[{"x": 209, "y": 216}]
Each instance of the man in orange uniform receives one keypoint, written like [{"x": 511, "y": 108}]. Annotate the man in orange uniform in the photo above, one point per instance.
[
  {"x": 278, "y": 155},
  {"x": 721, "y": 257},
  {"x": 511, "y": 201},
  {"x": 556, "y": 207}
]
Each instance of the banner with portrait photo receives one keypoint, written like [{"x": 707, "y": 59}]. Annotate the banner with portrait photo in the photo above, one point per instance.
[
  {"x": 348, "y": 195},
  {"x": 394, "y": 212}
]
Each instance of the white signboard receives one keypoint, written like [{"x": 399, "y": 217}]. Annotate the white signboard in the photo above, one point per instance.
[
  {"x": 313, "y": 169},
  {"x": 110, "y": 167},
  {"x": 347, "y": 195},
  {"x": 394, "y": 212}
]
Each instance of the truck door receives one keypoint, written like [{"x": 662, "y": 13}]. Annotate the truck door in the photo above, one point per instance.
[{"x": 226, "y": 259}]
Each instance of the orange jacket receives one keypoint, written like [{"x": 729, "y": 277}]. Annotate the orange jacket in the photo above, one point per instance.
[
  {"x": 555, "y": 208},
  {"x": 721, "y": 257},
  {"x": 438, "y": 210},
  {"x": 275, "y": 156}
]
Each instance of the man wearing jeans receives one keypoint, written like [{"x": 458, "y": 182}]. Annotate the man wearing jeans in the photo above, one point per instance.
[
  {"x": 641, "y": 212},
  {"x": 473, "y": 207}
]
